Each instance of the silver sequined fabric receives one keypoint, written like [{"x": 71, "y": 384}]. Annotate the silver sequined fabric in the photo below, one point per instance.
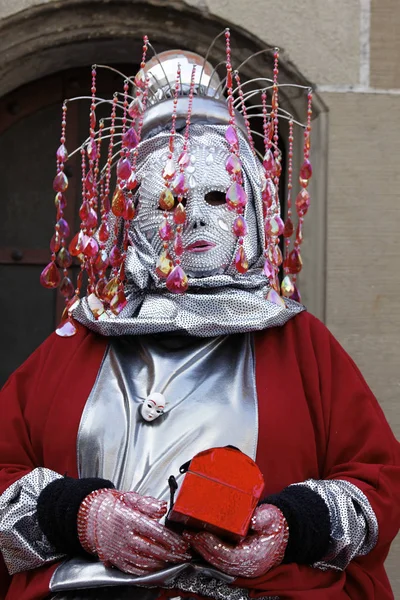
[
  {"x": 222, "y": 303},
  {"x": 354, "y": 527},
  {"x": 213, "y": 588},
  {"x": 22, "y": 542}
]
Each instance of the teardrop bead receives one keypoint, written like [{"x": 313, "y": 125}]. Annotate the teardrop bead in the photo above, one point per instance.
[
  {"x": 184, "y": 159},
  {"x": 64, "y": 259},
  {"x": 289, "y": 228},
  {"x": 101, "y": 261},
  {"x": 66, "y": 288},
  {"x": 241, "y": 262},
  {"x": 166, "y": 200},
  {"x": 306, "y": 170},
  {"x": 111, "y": 289},
  {"x": 179, "y": 214},
  {"x": 231, "y": 136},
  {"x": 179, "y": 186},
  {"x": 131, "y": 182},
  {"x": 296, "y": 294},
  {"x": 124, "y": 168},
  {"x": 135, "y": 108},
  {"x": 275, "y": 255},
  {"x": 236, "y": 196},
  {"x": 91, "y": 150},
  {"x": 66, "y": 328},
  {"x": 274, "y": 297},
  {"x": 91, "y": 248},
  {"x": 239, "y": 226},
  {"x": 73, "y": 245},
  {"x": 178, "y": 245},
  {"x": 118, "y": 202},
  {"x": 269, "y": 162},
  {"x": 115, "y": 257},
  {"x": 287, "y": 287},
  {"x": 294, "y": 262},
  {"x": 164, "y": 264},
  {"x": 269, "y": 270},
  {"x": 119, "y": 302},
  {"x": 62, "y": 154},
  {"x": 60, "y": 182},
  {"x": 96, "y": 306},
  {"x": 104, "y": 232},
  {"x": 91, "y": 220},
  {"x": 302, "y": 202},
  {"x": 50, "y": 276},
  {"x": 130, "y": 139},
  {"x": 63, "y": 227},
  {"x": 177, "y": 281},
  {"x": 129, "y": 211},
  {"x": 84, "y": 210},
  {"x": 274, "y": 227},
  {"x": 233, "y": 165},
  {"x": 166, "y": 232},
  {"x": 169, "y": 170},
  {"x": 55, "y": 242},
  {"x": 60, "y": 201}
]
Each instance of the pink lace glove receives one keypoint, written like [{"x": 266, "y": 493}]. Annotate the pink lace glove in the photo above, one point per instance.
[
  {"x": 253, "y": 556},
  {"x": 122, "y": 529}
]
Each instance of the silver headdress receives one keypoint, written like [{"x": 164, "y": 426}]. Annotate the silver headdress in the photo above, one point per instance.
[{"x": 193, "y": 239}]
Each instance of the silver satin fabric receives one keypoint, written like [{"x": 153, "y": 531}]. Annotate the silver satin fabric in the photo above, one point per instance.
[
  {"x": 210, "y": 390},
  {"x": 354, "y": 526},
  {"x": 223, "y": 303},
  {"x": 22, "y": 543}
]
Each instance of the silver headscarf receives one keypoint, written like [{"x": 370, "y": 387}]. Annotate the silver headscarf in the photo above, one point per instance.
[{"x": 220, "y": 301}]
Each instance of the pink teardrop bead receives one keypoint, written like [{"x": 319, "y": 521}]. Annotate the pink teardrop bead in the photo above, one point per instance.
[
  {"x": 289, "y": 228},
  {"x": 60, "y": 182},
  {"x": 231, "y": 136},
  {"x": 66, "y": 288},
  {"x": 302, "y": 202},
  {"x": 269, "y": 162},
  {"x": 177, "y": 281},
  {"x": 274, "y": 227},
  {"x": 115, "y": 257},
  {"x": 169, "y": 170},
  {"x": 178, "y": 245},
  {"x": 50, "y": 276},
  {"x": 236, "y": 197},
  {"x": 275, "y": 298},
  {"x": 89, "y": 182},
  {"x": 296, "y": 294},
  {"x": 241, "y": 263},
  {"x": 91, "y": 248},
  {"x": 91, "y": 150},
  {"x": 62, "y": 154},
  {"x": 91, "y": 220},
  {"x": 233, "y": 165},
  {"x": 130, "y": 139},
  {"x": 119, "y": 302},
  {"x": 104, "y": 232},
  {"x": 306, "y": 170},
  {"x": 64, "y": 259},
  {"x": 269, "y": 270},
  {"x": 55, "y": 242},
  {"x": 124, "y": 168},
  {"x": 67, "y": 328},
  {"x": 184, "y": 159},
  {"x": 84, "y": 210},
  {"x": 64, "y": 227},
  {"x": 135, "y": 108},
  {"x": 165, "y": 232},
  {"x": 101, "y": 262},
  {"x": 131, "y": 183},
  {"x": 179, "y": 186},
  {"x": 239, "y": 226},
  {"x": 60, "y": 201},
  {"x": 179, "y": 214}
]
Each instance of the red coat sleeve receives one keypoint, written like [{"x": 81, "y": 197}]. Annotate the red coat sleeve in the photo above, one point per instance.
[{"x": 354, "y": 442}]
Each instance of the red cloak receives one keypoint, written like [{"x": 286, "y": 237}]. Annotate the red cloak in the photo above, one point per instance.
[{"x": 317, "y": 419}]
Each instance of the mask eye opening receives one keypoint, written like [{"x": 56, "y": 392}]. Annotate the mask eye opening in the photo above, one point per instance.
[{"x": 215, "y": 198}]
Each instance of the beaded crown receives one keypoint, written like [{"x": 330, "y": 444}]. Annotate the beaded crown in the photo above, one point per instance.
[{"x": 172, "y": 91}]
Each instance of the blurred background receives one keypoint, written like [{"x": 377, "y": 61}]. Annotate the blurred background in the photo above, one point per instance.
[{"x": 347, "y": 49}]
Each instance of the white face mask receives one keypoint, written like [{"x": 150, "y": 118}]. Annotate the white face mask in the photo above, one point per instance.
[
  {"x": 153, "y": 407},
  {"x": 207, "y": 236}
]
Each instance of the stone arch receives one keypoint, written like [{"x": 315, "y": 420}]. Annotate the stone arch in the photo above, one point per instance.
[{"x": 59, "y": 35}]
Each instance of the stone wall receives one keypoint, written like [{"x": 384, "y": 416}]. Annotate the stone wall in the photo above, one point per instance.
[{"x": 350, "y": 49}]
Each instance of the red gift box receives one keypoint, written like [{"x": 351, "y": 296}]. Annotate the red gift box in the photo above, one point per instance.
[{"x": 219, "y": 493}]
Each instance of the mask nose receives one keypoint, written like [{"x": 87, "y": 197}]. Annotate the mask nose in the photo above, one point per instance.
[{"x": 196, "y": 220}]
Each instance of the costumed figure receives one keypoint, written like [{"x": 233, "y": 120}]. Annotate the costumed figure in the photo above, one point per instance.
[{"x": 190, "y": 338}]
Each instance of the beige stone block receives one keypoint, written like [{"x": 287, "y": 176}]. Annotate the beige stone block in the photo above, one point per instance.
[
  {"x": 385, "y": 44},
  {"x": 363, "y": 285},
  {"x": 321, "y": 37}
]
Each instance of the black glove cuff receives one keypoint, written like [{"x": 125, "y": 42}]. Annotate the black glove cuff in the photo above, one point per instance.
[
  {"x": 308, "y": 518},
  {"x": 57, "y": 510}
]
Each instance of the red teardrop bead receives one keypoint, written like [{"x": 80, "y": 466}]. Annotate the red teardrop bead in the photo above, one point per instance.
[
  {"x": 50, "y": 276},
  {"x": 177, "y": 281},
  {"x": 66, "y": 288},
  {"x": 241, "y": 263}
]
